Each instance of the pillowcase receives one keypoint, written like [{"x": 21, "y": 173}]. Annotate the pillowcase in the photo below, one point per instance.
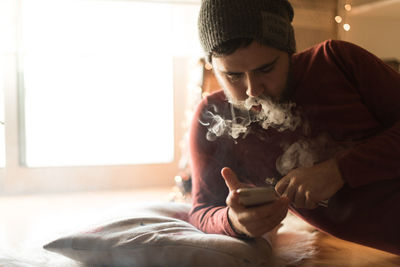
[{"x": 154, "y": 238}]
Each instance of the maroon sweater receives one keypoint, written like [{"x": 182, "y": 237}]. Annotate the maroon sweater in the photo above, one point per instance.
[{"x": 343, "y": 91}]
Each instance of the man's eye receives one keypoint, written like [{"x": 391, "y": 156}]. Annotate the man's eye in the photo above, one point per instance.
[
  {"x": 233, "y": 76},
  {"x": 267, "y": 70}
]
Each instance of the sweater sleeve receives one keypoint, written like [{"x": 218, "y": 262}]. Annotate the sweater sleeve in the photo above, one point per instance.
[
  {"x": 377, "y": 158},
  {"x": 209, "y": 212}
]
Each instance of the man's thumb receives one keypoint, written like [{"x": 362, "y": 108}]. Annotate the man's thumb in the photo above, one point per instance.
[{"x": 231, "y": 179}]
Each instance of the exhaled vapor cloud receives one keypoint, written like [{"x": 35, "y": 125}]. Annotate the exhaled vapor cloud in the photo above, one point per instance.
[
  {"x": 305, "y": 152},
  {"x": 272, "y": 114}
]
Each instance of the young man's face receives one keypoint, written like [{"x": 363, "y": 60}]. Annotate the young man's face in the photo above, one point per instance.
[{"x": 254, "y": 71}]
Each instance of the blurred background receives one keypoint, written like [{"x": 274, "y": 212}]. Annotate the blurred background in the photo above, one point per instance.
[{"x": 97, "y": 95}]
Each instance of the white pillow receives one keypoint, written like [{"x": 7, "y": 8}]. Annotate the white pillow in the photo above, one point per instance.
[{"x": 157, "y": 239}]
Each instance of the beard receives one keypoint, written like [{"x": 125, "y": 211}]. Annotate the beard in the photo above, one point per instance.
[{"x": 276, "y": 112}]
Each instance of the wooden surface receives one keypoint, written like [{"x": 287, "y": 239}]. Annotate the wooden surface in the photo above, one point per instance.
[{"x": 334, "y": 252}]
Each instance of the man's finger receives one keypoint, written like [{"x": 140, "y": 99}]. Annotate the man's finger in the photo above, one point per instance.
[
  {"x": 231, "y": 179},
  {"x": 281, "y": 186},
  {"x": 233, "y": 200},
  {"x": 310, "y": 204}
]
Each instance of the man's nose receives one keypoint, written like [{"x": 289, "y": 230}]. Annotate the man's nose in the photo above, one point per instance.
[{"x": 254, "y": 87}]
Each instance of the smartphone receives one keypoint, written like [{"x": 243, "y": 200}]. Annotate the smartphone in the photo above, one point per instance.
[{"x": 253, "y": 196}]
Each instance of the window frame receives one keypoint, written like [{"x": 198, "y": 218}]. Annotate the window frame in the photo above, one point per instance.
[{"x": 16, "y": 178}]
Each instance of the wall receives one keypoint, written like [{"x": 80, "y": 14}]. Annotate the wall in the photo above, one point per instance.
[
  {"x": 314, "y": 21},
  {"x": 375, "y": 26}
]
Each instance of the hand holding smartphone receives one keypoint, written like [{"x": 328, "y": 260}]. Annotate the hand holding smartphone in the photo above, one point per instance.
[{"x": 256, "y": 195}]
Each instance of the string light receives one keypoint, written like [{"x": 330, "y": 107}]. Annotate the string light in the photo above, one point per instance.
[
  {"x": 338, "y": 19},
  {"x": 208, "y": 66}
]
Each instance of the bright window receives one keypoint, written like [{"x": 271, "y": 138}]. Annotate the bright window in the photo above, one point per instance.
[
  {"x": 2, "y": 128},
  {"x": 97, "y": 82}
]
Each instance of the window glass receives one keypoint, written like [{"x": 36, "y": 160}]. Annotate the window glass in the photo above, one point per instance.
[
  {"x": 97, "y": 82},
  {"x": 2, "y": 127}
]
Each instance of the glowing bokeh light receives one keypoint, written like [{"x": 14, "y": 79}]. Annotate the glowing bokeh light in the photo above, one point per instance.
[{"x": 338, "y": 19}]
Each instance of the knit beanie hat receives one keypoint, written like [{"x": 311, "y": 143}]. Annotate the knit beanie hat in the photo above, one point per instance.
[{"x": 266, "y": 21}]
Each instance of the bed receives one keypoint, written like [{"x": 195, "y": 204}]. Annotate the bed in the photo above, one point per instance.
[{"x": 149, "y": 227}]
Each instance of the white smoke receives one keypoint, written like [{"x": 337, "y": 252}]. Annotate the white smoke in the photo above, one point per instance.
[
  {"x": 272, "y": 114},
  {"x": 219, "y": 126},
  {"x": 306, "y": 152},
  {"x": 299, "y": 154}
]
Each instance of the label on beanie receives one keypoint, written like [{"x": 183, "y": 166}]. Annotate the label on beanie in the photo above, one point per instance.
[{"x": 275, "y": 28}]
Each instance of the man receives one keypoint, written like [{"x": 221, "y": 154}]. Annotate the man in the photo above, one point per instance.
[{"x": 324, "y": 122}]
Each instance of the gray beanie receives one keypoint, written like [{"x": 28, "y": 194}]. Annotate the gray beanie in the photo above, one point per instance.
[{"x": 266, "y": 21}]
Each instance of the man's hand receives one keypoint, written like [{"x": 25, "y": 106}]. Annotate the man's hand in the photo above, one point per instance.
[
  {"x": 252, "y": 221},
  {"x": 305, "y": 187}
]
